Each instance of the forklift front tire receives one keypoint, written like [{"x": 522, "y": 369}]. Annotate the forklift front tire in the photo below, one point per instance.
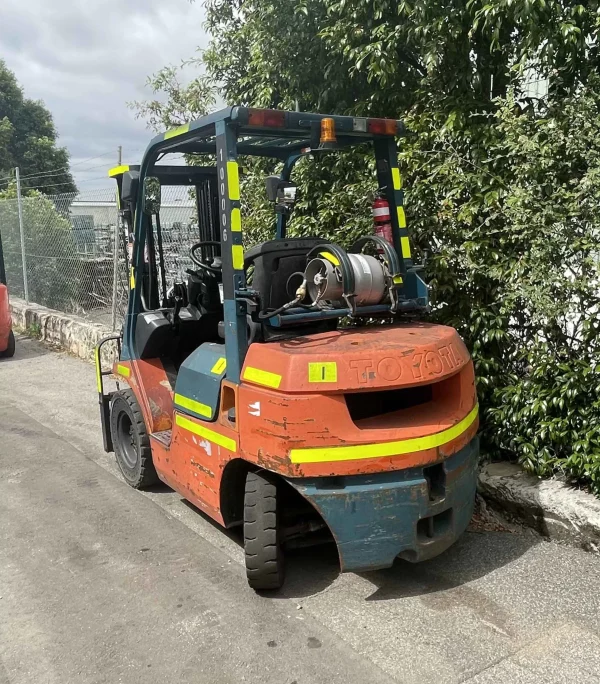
[
  {"x": 131, "y": 442},
  {"x": 264, "y": 555}
]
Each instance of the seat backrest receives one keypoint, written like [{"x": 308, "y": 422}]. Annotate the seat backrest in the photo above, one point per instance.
[{"x": 274, "y": 262}]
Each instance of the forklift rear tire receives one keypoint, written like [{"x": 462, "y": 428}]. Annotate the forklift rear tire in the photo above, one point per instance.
[
  {"x": 131, "y": 442},
  {"x": 10, "y": 349},
  {"x": 264, "y": 555}
]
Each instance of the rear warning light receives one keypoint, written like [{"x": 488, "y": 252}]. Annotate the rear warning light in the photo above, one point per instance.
[
  {"x": 266, "y": 118},
  {"x": 328, "y": 131},
  {"x": 382, "y": 126}
]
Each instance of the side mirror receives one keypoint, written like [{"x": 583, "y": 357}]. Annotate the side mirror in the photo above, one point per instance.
[
  {"x": 283, "y": 193},
  {"x": 151, "y": 195}
]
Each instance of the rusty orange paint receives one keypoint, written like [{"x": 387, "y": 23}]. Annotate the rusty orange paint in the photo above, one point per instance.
[
  {"x": 308, "y": 408},
  {"x": 156, "y": 399},
  {"x": 304, "y": 414},
  {"x": 193, "y": 465},
  {"x": 366, "y": 358}
]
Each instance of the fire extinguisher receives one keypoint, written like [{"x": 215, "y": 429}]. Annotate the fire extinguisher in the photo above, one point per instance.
[{"x": 381, "y": 217}]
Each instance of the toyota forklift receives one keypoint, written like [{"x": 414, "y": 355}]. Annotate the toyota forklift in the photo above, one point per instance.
[
  {"x": 7, "y": 336},
  {"x": 290, "y": 388}
]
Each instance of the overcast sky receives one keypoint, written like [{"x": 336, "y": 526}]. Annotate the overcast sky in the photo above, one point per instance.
[{"x": 87, "y": 58}]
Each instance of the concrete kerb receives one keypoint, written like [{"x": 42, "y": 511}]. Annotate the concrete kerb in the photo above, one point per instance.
[
  {"x": 71, "y": 333},
  {"x": 551, "y": 507}
]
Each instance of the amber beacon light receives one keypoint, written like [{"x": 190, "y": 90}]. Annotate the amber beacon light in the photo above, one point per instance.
[{"x": 328, "y": 131}]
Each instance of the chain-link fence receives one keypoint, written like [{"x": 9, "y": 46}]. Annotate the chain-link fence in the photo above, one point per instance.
[{"x": 75, "y": 255}]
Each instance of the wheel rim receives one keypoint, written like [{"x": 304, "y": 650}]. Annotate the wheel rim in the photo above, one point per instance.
[{"x": 127, "y": 440}]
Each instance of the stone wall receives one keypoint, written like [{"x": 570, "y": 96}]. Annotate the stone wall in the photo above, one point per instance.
[{"x": 71, "y": 333}]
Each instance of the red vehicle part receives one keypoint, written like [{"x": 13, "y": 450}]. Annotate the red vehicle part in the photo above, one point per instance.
[{"x": 7, "y": 339}]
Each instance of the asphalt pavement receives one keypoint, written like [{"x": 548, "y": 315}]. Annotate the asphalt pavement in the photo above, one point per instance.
[{"x": 100, "y": 583}]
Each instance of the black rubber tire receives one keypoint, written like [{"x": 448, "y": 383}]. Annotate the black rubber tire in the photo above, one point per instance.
[
  {"x": 131, "y": 442},
  {"x": 10, "y": 349},
  {"x": 265, "y": 567}
]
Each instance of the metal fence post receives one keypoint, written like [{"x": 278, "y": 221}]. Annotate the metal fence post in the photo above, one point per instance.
[
  {"x": 115, "y": 268},
  {"x": 116, "y": 248},
  {"x": 21, "y": 230}
]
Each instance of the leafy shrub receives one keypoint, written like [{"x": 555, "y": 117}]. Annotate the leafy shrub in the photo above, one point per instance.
[{"x": 510, "y": 216}]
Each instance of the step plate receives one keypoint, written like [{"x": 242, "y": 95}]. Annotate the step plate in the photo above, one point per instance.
[{"x": 163, "y": 437}]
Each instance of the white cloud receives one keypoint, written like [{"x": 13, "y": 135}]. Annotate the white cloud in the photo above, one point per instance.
[{"x": 87, "y": 58}]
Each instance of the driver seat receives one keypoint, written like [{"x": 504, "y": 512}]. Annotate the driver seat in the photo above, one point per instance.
[{"x": 274, "y": 262}]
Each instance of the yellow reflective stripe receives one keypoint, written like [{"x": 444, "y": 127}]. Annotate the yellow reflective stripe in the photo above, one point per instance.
[
  {"x": 131, "y": 279},
  {"x": 192, "y": 405},
  {"x": 397, "y": 280},
  {"x": 262, "y": 377},
  {"x": 237, "y": 257},
  {"x": 118, "y": 170},
  {"x": 180, "y": 130},
  {"x": 201, "y": 431},
  {"x": 396, "y": 178},
  {"x": 233, "y": 180},
  {"x": 401, "y": 217},
  {"x": 405, "y": 245},
  {"x": 383, "y": 449},
  {"x": 330, "y": 257},
  {"x": 236, "y": 220},
  {"x": 219, "y": 366},
  {"x": 123, "y": 370},
  {"x": 98, "y": 376}
]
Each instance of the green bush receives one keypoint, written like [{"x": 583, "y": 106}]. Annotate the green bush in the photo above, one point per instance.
[{"x": 511, "y": 222}]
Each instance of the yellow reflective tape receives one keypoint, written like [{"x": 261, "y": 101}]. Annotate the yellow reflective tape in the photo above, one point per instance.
[
  {"x": 396, "y": 178},
  {"x": 192, "y": 405},
  {"x": 262, "y": 377},
  {"x": 131, "y": 279},
  {"x": 118, "y": 170},
  {"x": 98, "y": 376},
  {"x": 322, "y": 371},
  {"x": 236, "y": 220},
  {"x": 124, "y": 371},
  {"x": 397, "y": 280},
  {"x": 233, "y": 180},
  {"x": 237, "y": 257},
  {"x": 384, "y": 449},
  {"x": 405, "y": 245},
  {"x": 330, "y": 257},
  {"x": 401, "y": 217},
  {"x": 180, "y": 130},
  {"x": 219, "y": 366},
  {"x": 201, "y": 431}
]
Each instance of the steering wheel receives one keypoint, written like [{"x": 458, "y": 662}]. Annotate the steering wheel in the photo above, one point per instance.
[{"x": 198, "y": 260}]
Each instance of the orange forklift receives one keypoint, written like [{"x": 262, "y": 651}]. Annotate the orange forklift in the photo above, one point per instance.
[{"x": 289, "y": 388}]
